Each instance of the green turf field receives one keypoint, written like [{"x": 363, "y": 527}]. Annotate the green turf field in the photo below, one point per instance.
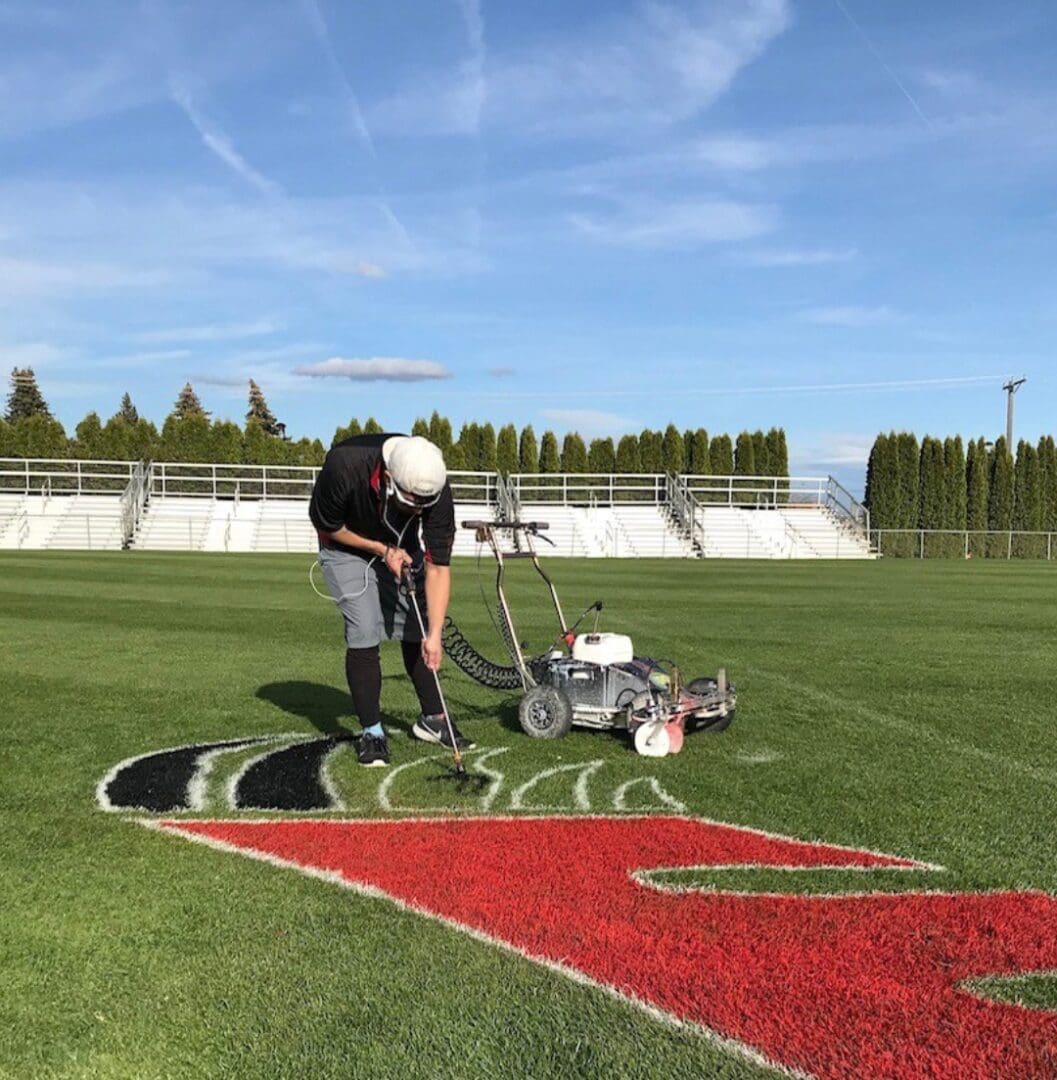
[{"x": 902, "y": 707}]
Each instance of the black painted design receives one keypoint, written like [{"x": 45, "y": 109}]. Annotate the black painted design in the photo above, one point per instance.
[
  {"x": 288, "y": 779},
  {"x": 161, "y": 782}
]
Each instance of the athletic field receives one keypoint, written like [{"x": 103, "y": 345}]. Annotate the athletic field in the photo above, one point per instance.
[{"x": 897, "y": 715}]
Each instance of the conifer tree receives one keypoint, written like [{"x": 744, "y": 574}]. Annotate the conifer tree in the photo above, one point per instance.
[
  {"x": 187, "y": 404},
  {"x": 722, "y": 456},
  {"x": 700, "y": 460},
  {"x": 550, "y": 462},
  {"x": 1000, "y": 499},
  {"x": 227, "y": 443},
  {"x": 956, "y": 495},
  {"x": 1048, "y": 482},
  {"x": 88, "y": 438},
  {"x": 259, "y": 413},
  {"x": 506, "y": 450},
  {"x": 744, "y": 456},
  {"x": 1027, "y": 499},
  {"x": 688, "y": 450},
  {"x": 908, "y": 471},
  {"x": 651, "y": 451},
  {"x": 601, "y": 456},
  {"x": 628, "y": 461},
  {"x": 128, "y": 412},
  {"x": 574, "y": 453},
  {"x": 349, "y": 431},
  {"x": 486, "y": 448},
  {"x": 38, "y": 436},
  {"x": 7, "y": 439},
  {"x": 978, "y": 484},
  {"x": 778, "y": 460},
  {"x": 883, "y": 496},
  {"x": 372, "y": 427},
  {"x": 932, "y": 485},
  {"x": 673, "y": 459},
  {"x": 528, "y": 451},
  {"x": 420, "y": 428},
  {"x": 760, "y": 454},
  {"x": 440, "y": 431},
  {"x": 25, "y": 399},
  {"x": 469, "y": 447}
]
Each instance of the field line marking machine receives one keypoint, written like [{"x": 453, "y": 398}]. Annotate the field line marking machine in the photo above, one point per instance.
[{"x": 588, "y": 679}]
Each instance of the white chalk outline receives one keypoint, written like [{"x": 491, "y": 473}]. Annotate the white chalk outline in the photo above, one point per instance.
[
  {"x": 196, "y": 786},
  {"x": 385, "y": 803},
  {"x": 580, "y": 798},
  {"x": 646, "y": 879},
  {"x": 333, "y": 877},
  {"x": 621, "y": 793}
]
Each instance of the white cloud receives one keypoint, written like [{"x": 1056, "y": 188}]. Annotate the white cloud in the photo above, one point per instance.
[
  {"x": 501, "y": 372},
  {"x": 833, "y": 450},
  {"x": 589, "y": 422},
  {"x": 653, "y": 68},
  {"x": 377, "y": 369},
  {"x": 220, "y": 380},
  {"x": 851, "y": 316},
  {"x": 680, "y": 224},
  {"x": 34, "y": 276},
  {"x": 32, "y": 354},
  {"x": 796, "y": 257},
  {"x": 210, "y": 332}
]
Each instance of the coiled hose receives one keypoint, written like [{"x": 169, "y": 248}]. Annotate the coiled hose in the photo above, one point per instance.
[{"x": 478, "y": 667}]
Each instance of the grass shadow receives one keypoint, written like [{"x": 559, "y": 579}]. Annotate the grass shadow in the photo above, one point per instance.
[{"x": 326, "y": 708}]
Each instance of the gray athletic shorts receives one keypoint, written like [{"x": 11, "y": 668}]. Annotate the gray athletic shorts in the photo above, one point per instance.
[{"x": 371, "y": 603}]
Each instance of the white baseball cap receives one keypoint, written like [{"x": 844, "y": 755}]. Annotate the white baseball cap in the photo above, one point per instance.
[{"x": 415, "y": 464}]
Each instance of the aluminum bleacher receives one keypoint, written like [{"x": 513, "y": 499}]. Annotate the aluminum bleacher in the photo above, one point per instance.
[{"x": 247, "y": 508}]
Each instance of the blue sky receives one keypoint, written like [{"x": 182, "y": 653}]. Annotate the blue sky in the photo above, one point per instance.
[{"x": 833, "y": 215}]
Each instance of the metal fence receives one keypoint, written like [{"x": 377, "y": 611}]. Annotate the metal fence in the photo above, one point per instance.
[
  {"x": 589, "y": 489},
  {"x": 766, "y": 492},
  {"x": 63, "y": 476},
  {"x": 963, "y": 544}
]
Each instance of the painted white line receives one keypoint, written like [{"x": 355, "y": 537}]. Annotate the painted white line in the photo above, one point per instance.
[
  {"x": 498, "y": 777},
  {"x": 621, "y": 794},
  {"x": 385, "y": 802},
  {"x": 580, "y": 797},
  {"x": 337, "y": 803},
  {"x": 915, "y": 729},
  {"x": 757, "y": 757},
  {"x": 647, "y": 880},
  {"x": 724, "y": 1042}
]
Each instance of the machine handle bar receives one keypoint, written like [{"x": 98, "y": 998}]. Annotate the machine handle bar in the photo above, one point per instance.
[{"x": 525, "y": 526}]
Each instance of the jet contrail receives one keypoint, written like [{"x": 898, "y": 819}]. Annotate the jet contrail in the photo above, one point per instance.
[{"x": 880, "y": 59}]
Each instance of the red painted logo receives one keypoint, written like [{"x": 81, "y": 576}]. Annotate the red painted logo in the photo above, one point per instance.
[{"x": 867, "y": 985}]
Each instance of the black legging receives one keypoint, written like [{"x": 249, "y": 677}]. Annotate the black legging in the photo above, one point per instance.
[{"x": 363, "y": 669}]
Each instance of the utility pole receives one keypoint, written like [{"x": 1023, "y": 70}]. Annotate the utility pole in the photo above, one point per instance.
[{"x": 1011, "y": 388}]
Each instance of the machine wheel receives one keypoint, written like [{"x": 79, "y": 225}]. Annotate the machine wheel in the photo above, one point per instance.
[
  {"x": 545, "y": 713},
  {"x": 652, "y": 739},
  {"x": 720, "y": 723}
]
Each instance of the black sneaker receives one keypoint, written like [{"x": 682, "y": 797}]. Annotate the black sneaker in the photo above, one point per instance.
[
  {"x": 434, "y": 729},
  {"x": 373, "y": 750}
]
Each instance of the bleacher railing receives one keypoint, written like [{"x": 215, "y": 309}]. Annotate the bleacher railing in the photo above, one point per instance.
[
  {"x": 587, "y": 489},
  {"x": 760, "y": 492},
  {"x": 65, "y": 476}
]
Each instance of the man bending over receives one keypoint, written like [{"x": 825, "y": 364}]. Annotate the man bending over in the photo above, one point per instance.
[{"x": 381, "y": 504}]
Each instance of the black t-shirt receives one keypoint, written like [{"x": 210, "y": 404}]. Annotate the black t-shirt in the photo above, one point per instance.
[{"x": 350, "y": 491}]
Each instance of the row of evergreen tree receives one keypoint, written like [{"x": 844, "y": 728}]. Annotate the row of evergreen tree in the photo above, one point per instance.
[
  {"x": 188, "y": 434},
  {"x": 942, "y": 484},
  {"x": 480, "y": 447}
]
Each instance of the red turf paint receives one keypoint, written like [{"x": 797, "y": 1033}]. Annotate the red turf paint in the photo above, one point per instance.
[{"x": 838, "y": 987}]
